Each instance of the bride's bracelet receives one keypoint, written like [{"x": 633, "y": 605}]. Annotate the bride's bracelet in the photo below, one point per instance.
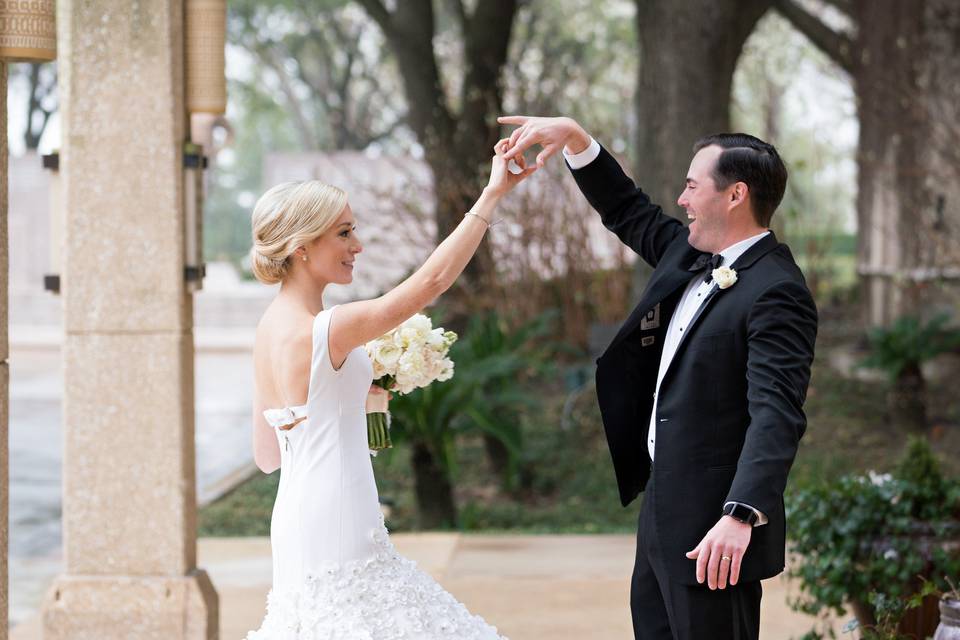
[{"x": 488, "y": 223}]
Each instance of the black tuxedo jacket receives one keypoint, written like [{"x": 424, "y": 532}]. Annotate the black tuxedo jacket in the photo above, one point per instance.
[{"x": 730, "y": 407}]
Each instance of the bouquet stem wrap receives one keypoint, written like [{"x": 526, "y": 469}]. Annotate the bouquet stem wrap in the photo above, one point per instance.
[{"x": 378, "y": 421}]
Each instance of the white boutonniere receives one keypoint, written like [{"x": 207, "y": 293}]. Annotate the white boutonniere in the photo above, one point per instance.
[{"x": 725, "y": 277}]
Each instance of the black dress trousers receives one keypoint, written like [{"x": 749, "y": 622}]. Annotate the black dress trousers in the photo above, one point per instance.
[{"x": 667, "y": 610}]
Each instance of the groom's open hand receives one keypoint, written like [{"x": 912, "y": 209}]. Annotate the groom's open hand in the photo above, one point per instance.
[
  {"x": 553, "y": 134},
  {"x": 720, "y": 552}
]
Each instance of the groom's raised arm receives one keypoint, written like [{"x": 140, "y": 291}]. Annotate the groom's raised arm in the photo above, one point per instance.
[{"x": 623, "y": 207}]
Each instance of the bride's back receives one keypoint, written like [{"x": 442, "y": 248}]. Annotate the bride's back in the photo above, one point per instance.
[{"x": 281, "y": 354}]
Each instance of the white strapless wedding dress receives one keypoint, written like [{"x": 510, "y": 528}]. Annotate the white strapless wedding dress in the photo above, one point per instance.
[{"x": 336, "y": 575}]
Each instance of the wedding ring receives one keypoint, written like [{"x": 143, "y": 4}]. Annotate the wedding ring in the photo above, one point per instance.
[{"x": 722, "y": 558}]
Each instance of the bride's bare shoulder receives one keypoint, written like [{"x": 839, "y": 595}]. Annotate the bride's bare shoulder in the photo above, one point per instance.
[
  {"x": 283, "y": 350},
  {"x": 282, "y": 327}
]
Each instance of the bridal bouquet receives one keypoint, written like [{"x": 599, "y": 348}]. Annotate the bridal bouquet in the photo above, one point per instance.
[{"x": 409, "y": 357}]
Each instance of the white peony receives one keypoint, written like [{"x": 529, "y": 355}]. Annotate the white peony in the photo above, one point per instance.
[
  {"x": 447, "y": 372},
  {"x": 418, "y": 322},
  {"x": 435, "y": 340},
  {"x": 388, "y": 354},
  {"x": 413, "y": 355}
]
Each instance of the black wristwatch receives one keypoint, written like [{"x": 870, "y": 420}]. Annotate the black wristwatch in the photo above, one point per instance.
[{"x": 740, "y": 512}]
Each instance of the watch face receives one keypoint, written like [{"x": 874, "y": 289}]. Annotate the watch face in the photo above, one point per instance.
[{"x": 742, "y": 513}]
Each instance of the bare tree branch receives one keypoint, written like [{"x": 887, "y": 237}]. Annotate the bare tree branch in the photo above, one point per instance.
[
  {"x": 379, "y": 13},
  {"x": 410, "y": 33},
  {"x": 846, "y": 6},
  {"x": 487, "y": 42},
  {"x": 457, "y": 8},
  {"x": 40, "y": 89},
  {"x": 836, "y": 45},
  {"x": 268, "y": 56}
]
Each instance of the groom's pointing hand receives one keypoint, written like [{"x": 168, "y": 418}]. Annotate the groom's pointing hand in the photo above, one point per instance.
[
  {"x": 721, "y": 551},
  {"x": 550, "y": 133}
]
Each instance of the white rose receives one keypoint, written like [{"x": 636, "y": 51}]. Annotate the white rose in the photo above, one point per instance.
[{"x": 725, "y": 277}]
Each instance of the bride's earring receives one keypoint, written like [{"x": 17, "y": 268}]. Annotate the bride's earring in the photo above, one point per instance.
[{"x": 304, "y": 257}]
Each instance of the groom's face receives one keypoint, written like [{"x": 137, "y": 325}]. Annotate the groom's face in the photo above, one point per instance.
[{"x": 706, "y": 207}]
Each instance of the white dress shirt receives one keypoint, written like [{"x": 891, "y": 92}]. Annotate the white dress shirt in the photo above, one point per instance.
[{"x": 693, "y": 296}]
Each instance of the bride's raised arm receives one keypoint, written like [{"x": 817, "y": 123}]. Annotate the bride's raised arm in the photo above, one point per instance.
[{"x": 357, "y": 323}]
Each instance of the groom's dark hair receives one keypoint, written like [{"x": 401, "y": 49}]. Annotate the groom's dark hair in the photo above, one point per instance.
[{"x": 754, "y": 162}]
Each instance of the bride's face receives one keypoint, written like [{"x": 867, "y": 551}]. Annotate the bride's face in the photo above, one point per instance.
[{"x": 330, "y": 257}]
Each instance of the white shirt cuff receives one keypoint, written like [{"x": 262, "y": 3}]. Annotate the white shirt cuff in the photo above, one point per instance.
[{"x": 585, "y": 157}]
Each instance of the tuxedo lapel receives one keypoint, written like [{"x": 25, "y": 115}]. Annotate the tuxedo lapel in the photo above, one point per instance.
[
  {"x": 762, "y": 247},
  {"x": 659, "y": 289},
  {"x": 674, "y": 277}
]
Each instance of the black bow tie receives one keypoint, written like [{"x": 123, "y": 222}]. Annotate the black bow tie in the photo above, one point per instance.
[{"x": 706, "y": 260}]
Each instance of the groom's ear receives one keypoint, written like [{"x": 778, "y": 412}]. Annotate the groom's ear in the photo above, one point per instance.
[{"x": 738, "y": 193}]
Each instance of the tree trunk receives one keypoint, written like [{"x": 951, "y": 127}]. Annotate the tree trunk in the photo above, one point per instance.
[
  {"x": 864, "y": 613},
  {"x": 907, "y": 400},
  {"x": 458, "y": 144},
  {"x": 38, "y": 117},
  {"x": 892, "y": 195},
  {"x": 435, "y": 505},
  {"x": 499, "y": 458},
  {"x": 688, "y": 53},
  {"x": 904, "y": 59}
]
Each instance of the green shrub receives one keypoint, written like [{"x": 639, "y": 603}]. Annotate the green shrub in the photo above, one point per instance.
[{"x": 867, "y": 538}]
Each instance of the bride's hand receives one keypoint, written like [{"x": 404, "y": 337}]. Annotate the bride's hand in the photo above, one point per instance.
[
  {"x": 502, "y": 180},
  {"x": 378, "y": 399}
]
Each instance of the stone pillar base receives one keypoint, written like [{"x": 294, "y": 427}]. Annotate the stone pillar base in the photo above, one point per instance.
[{"x": 86, "y": 607}]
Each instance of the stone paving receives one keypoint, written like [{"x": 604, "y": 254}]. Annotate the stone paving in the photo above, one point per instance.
[
  {"x": 569, "y": 587},
  {"x": 223, "y": 382}
]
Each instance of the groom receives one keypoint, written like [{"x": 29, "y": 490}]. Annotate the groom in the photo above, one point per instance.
[{"x": 702, "y": 389}]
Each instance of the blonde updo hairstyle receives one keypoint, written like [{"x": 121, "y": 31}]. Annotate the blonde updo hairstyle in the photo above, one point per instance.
[{"x": 289, "y": 216}]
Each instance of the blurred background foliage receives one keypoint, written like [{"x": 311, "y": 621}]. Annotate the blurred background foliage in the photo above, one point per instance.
[
  {"x": 859, "y": 96},
  {"x": 515, "y": 440}
]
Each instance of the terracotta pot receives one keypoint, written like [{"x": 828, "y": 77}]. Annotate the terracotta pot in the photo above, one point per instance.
[
  {"x": 28, "y": 30},
  {"x": 921, "y": 622},
  {"x": 949, "y": 628}
]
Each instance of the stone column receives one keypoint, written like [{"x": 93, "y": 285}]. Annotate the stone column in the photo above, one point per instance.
[
  {"x": 4, "y": 355},
  {"x": 129, "y": 497}
]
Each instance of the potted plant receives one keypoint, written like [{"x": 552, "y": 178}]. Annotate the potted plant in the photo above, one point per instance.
[
  {"x": 949, "y": 628},
  {"x": 880, "y": 534}
]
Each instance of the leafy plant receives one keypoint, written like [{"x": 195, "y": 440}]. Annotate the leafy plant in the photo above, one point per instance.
[
  {"x": 481, "y": 397},
  {"x": 900, "y": 350},
  {"x": 889, "y": 611},
  {"x": 909, "y": 342},
  {"x": 873, "y": 534}
]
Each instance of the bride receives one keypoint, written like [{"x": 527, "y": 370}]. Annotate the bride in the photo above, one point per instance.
[{"x": 336, "y": 575}]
